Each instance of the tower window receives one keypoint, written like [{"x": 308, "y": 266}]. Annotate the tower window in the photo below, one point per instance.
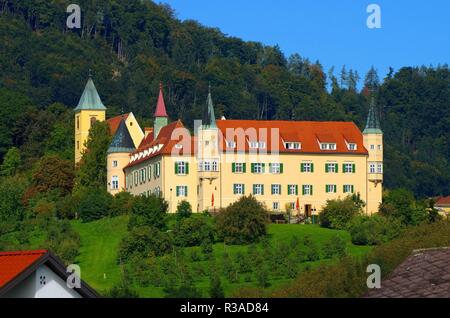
[
  {"x": 114, "y": 163},
  {"x": 372, "y": 147},
  {"x": 78, "y": 122},
  {"x": 78, "y": 145},
  {"x": 115, "y": 183},
  {"x": 93, "y": 120}
]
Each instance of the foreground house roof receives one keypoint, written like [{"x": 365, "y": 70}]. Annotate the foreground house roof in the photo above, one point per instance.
[
  {"x": 424, "y": 274},
  {"x": 16, "y": 266}
]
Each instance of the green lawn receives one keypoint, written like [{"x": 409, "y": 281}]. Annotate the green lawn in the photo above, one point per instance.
[
  {"x": 100, "y": 241},
  {"x": 99, "y": 249}
]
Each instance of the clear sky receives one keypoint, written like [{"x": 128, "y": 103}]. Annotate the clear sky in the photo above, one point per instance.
[{"x": 413, "y": 32}]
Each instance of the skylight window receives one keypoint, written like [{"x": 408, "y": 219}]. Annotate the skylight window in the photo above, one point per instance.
[
  {"x": 293, "y": 145},
  {"x": 327, "y": 146}
]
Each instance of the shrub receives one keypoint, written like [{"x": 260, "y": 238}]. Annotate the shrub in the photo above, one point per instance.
[
  {"x": 144, "y": 241},
  {"x": 337, "y": 214},
  {"x": 374, "y": 230},
  {"x": 94, "y": 204},
  {"x": 184, "y": 210},
  {"x": 123, "y": 289},
  {"x": 335, "y": 247},
  {"x": 207, "y": 248},
  {"x": 192, "y": 232},
  {"x": 400, "y": 204},
  {"x": 215, "y": 287},
  {"x": 244, "y": 221},
  {"x": 121, "y": 204},
  {"x": 148, "y": 211}
]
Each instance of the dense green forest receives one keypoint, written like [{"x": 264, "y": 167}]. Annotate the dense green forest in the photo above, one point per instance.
[{"x": 132, "y": 45}]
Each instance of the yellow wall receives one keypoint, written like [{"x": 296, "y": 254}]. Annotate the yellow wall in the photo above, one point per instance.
[
  {"x": 82, "y": 126},
  {"x": 122, "y": 160},
  {"x": 375, "y": 147},
  {"x": 134, "y": 129}
]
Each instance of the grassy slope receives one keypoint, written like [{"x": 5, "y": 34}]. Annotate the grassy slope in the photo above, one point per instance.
[
  {"x": 100, "y": 241},
  {"x": 98, "y": 253}
]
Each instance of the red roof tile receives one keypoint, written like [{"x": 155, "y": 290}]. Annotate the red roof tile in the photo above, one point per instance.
[
  {"x": 13, "y": 264},
  {"x": 115, "y": 122},
  {"x": 308, "y": 133}
]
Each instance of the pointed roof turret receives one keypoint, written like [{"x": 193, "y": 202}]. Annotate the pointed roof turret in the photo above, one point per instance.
[
  {"x": 161, "y": 106},
  {"x": 373, "y": 124},
  {"x": 90, "y": 100},
  {"x": 122, "y": 141},
  {"x": 209, "y": 119}
]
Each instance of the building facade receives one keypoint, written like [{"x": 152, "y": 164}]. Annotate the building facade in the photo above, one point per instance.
[{"x": 288, "y": 165}]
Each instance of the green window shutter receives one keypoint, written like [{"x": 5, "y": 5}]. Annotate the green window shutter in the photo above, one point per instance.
[
  {"x": 187, "y": 167},
  {"x": 343, "y": 167},
  {"x": 287, "y": 189},
  {"x": 353, "y": 189},
  {"x": 337, "y": 167},
  {"x": 335, "y": 189},
  {"x": 302, "y": 167},
  {"x": 234, "y": 189},
  {"x": 263, "y": 168},
  {"x": 243, "y": 189},
  {"x": 186, "y": 191},
  {"x": 353, "y": 168},
  {"x": 311, "y": 190},
  {"x": 303, "y": 190},
  {"x": 270, "y": 168},
  {"x": 178, "y": 191},
  {"x": 233, "y": 167},
  {"x": 281, "y": 167},
  {"x": 254, "y": 188},
  {"x": 326, "y": 168},
  {"x": 312, "y": 167},
  {"x": 262, "y": 189},
  {"x": 253, "y": 168},
  {"x": 343, "y": 188},
  {"x": 244, "y": 167},
  {"x": 296, "y": 189},
  {"x": 176, "y": 167}
]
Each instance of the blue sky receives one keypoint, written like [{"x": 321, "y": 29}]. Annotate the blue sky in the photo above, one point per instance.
[{"x": 414, "y": 32}]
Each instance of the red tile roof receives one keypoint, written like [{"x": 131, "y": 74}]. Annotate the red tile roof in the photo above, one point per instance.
[
  {"x": 163, "y": 144},
  {"x": 115, "y": 122},
  {"x": 308, "y": 133},
  {"x": 443, "y": 201},
  {"x": 13, "y": 264}
]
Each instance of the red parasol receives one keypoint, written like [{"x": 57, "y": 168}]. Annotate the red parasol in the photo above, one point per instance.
[{"x": 212, "y": 200}]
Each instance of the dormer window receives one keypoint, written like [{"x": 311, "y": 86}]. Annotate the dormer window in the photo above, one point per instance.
[
  {"x": 257, "y": 145},
  {"x": 327, "y": 146},
  {"x": 293, "y": 145},
  {"x": 352, "y": 146},
  {"x": 231, "y": 144}
]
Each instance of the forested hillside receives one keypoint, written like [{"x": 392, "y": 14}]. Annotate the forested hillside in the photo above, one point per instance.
[{"x": 132, "y": 45}]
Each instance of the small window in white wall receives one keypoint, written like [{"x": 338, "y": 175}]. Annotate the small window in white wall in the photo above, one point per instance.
[
  {"x": 380, "y": 168},
  {"x": 114, "y": 163},
  {"x": 115, "y": 182},
  {"x": 372, "y": 168},
  {"x": 276, "y": 206}
]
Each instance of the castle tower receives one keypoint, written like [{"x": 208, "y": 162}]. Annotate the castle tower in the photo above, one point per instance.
[
  {"x": 373, "y": 141},
  {"x": 209, "y": 159},
  {"x": 118, "y": 156},
  {"x": 161, "y": 117},
  {"x": 90, "y": 109}
]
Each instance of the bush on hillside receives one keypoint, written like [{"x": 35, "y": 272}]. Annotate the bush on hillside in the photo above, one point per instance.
[
  {"x": 193, "y": 232},
  {"x": 244, "y": 221},
  {"x": 337, "y": 214},
  {"x": 148, "y": 211},
  {"x": 144, "y": 241},
  {"x": 400, "y": 204},
  {"x": 121, "y": 204},
  {"x": 184, "y": 210},
  {"x": 94, "y": 204},
  {"x": 374, "y": 230}
]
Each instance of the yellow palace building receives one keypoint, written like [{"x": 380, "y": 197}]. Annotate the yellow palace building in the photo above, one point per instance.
[{"x": 296, "y": 165}]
